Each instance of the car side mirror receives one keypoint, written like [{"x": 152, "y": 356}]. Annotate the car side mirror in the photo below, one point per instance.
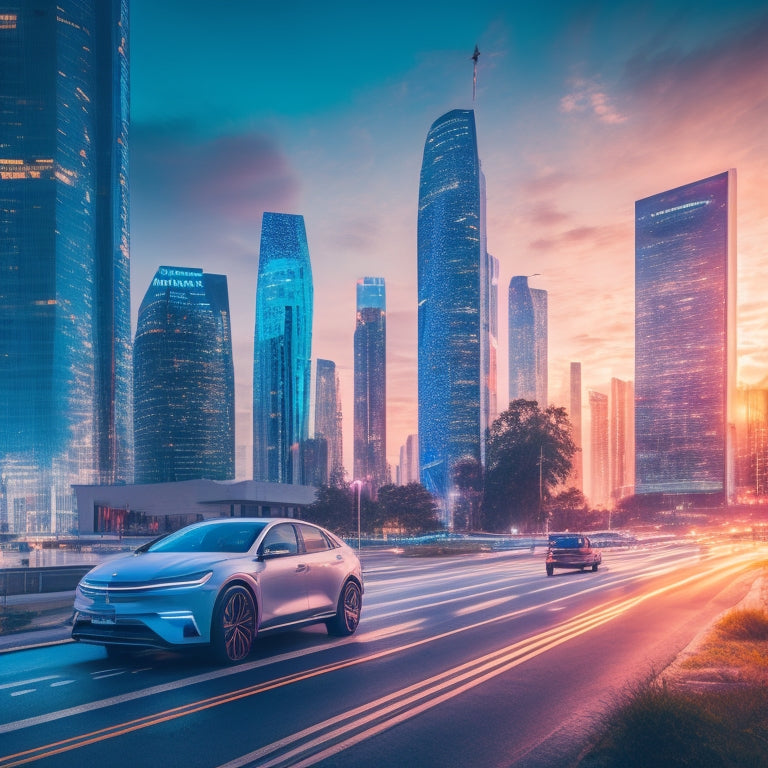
[{"x": 274, "y": 550}]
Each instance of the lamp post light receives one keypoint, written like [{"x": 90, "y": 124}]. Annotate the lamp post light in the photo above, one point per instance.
[{"x": 358, "y": 484}]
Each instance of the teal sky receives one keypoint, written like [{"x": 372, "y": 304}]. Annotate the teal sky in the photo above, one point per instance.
[{"x": 243, "y": 106}]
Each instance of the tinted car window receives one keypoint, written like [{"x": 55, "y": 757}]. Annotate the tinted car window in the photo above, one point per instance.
[
  {"x": 221, "y": 537},
  {"x": 280, "y": 540},
  {"x": 567, "y": 542},
  {"x": 314, "y": 541}
]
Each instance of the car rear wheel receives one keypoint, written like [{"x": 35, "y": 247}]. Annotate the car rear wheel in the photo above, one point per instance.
[
  {"x": 234, "y": 625},
  {"x": 348, "y": 611}
]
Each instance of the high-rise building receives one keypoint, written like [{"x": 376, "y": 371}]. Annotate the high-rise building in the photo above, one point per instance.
[
  {"x": 576, "y": 479},
  {"x": 453, "y": 302},
  {"x": 282, "y": 349},
  {"x": 408, "y": 471},
  {"x": 370, "y": 416},
  {"x": 752, "y": 443},
  {"x": 490, "y": 348},
  {"x": 685, "y": 303},
  {"x": 599, "y": 451},
  {"x": 65, "y": 360},
  {"x": 621, "y": 440},
  {"x": 184, "y": 381},
  {"x": 528, "y": 366},
  {"x": 328, "y": 417}
]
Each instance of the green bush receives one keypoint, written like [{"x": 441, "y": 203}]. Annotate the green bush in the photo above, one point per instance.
[{"x": 658, "y": 727}]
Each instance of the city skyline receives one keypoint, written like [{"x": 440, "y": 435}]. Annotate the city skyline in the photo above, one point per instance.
[{"x": 579, "y": 114}]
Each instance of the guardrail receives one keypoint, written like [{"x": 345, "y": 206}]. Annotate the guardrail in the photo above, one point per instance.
[{"x": 29, "y": 581}]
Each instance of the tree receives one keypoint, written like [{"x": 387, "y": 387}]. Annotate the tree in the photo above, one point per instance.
[
  {"x": 568, "y": 511},
  {"x": 408, "y": 508},
  {"x": 334, "y": 509},
  {"x": 528, "y": 453},
  {"x": 468, "y": 477}
]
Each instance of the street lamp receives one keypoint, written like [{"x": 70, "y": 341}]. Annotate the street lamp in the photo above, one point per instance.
[{"x": 358, "y": 484}]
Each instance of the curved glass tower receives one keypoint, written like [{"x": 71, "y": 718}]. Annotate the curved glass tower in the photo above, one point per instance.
[
  {"x": 65, "y": 366},
  {"x": 370, "y": 459},
  {"x": 282, "y": 349},
  {"x": 453, "y": 297},
  {"x": 184, "y": 383}
]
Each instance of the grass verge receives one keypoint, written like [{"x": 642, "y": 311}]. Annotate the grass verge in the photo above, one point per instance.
[{"x": 658, "y": 726}]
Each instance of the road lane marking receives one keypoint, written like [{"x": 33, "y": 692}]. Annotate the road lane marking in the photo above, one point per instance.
[
  {"x": 28, "y": 682},
  {"x": 469, "y": 674},
  {"x": 400, "y": 706}
]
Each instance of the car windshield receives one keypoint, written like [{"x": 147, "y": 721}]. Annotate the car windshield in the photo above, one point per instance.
[
  {"x": 215, "y": 537},
  {"x": 566, "y": 542}
]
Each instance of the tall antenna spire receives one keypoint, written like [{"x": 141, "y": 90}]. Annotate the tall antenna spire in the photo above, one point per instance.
[{"x": 475, "y": 57}]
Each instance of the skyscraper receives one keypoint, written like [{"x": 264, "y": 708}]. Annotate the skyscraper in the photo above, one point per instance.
[
  {"x": 282, "y": 349},
  {"x": 599, "y": 451},
  {"x": 577, "y": 473},
  {"x": 621, "y": 439},
  {"x": 65, "y": 365},
  {"x": 408, "y": 471},
  {"x": 184, "y": 382},
  {"x": 685, "y": 303},
  {"x": 328, "y": 417},
  {"x": 489, "y": 391},
  {"x": 370, "y": 418},
  {"x": 453, "y": 296},
  {"x": 528, "y": 367}
]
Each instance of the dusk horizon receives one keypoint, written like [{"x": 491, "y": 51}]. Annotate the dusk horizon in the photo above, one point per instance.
[{"x": 578, "y": 117}]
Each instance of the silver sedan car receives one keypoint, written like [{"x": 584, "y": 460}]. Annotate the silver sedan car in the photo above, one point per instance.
[{"x": 218, "y": 583}]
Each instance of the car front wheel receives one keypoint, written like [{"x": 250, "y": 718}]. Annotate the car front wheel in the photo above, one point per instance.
[
  {"x": 348, "y": 611},
  {"x": 234, "y": 625}
]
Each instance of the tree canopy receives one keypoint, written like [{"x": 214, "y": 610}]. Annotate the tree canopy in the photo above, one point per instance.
[
  {"x": 408, "y": 508},
  {"x": 529, "y": 452}
]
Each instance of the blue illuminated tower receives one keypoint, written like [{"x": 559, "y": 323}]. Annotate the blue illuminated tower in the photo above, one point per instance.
[
  {"x": 527, "y": 342},
  {"x": 184, "y": 384},
  {"x": 282, "y": 349},
  {"x": 454, "y": 299},
  {"x": 685, "y": 304},
  {"x": 370, "y": 418},
  {"x": 65, "y": 364}
]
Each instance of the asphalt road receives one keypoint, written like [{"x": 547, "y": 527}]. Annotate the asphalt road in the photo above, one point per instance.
[{"x": 463, "y": 661}]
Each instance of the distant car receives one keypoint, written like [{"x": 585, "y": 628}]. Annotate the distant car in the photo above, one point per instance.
[
  {"x": 219, "y": 583},
  {"x": 567, "y": 550}
]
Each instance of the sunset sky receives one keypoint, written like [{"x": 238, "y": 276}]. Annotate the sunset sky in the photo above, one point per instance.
[{"x": 322, "y": 109}]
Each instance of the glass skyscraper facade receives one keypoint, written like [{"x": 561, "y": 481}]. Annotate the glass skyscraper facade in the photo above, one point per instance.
[
  {"x": 685, "y": 303},
  {"x": 328, "y": 419},
  {"x": 528, "y": 365},
  {"x": 65, "y": 347},
  {"x": 184, "y": 383},
  {"x": 282, "y": 349},
  {"x": 370, "y": 417},
  {"x": 453, "y": 302}
]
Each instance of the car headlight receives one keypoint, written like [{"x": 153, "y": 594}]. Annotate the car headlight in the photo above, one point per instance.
[{"x": 187, "y": 581}]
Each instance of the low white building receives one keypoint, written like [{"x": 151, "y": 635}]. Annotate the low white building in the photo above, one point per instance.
[{"x": 160, "y": 507}]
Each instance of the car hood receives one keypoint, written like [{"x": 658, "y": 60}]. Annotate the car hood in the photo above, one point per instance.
[{"x": 151, "y": 566}]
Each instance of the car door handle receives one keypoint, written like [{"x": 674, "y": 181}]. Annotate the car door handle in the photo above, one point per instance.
[{"x": 301, "y": 567}]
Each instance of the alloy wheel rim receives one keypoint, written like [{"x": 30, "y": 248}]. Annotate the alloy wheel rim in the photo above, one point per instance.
[
  {"x": 351, "y": 607},
  {"x": 238, "y": 626}
]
